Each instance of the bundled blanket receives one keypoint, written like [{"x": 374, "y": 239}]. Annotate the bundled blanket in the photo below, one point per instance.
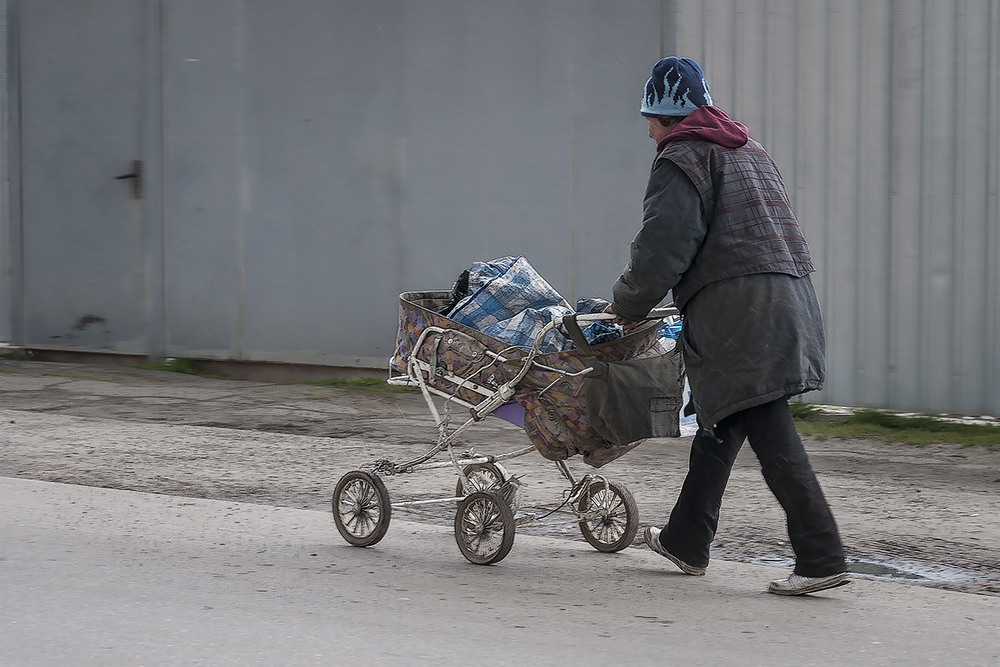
[{"x": 506, "y": 299}]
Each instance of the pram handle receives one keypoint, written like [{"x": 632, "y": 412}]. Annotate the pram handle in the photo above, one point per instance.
[
  {"x": 660, "y": 313},
  {"x": 655, "y": 314},
  {"x": 572, "y": 324}
]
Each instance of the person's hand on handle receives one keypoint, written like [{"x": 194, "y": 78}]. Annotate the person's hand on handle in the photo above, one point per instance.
[{"x": 627, "y": 325}]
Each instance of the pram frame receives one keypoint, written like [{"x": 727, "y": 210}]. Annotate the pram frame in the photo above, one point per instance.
[{"x": 482, "y": 480}]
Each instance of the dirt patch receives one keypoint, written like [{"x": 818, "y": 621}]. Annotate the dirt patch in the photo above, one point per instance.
[{"x": 922, "y": 515}]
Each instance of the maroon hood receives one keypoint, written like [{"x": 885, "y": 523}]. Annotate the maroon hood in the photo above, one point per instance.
[{"x": 711, "y": 124}]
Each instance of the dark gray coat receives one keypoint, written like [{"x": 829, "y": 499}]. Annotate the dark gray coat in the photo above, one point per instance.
[{"x": 747, "y": 340}]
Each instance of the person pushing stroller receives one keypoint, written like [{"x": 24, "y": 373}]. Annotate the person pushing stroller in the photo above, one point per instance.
[{"x": 719, "y": 232}]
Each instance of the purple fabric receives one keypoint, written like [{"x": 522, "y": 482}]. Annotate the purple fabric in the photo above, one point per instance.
[{"x": 512, "y": 412}]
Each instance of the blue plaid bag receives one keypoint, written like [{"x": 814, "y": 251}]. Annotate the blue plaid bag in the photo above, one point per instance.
[{"x": 509, "y": 301}]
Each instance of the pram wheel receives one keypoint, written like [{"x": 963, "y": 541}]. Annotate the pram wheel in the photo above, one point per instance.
[
  {"x": 609, "y": 516},
  {"x": 484, "y": 527},
  {"x": 361, "y": 508},
  {"x": 489, "y": 477},
  {"x": 484, "y": 477}
]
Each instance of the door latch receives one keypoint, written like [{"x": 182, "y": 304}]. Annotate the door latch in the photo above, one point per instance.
[{"x": 136, "y": 177}]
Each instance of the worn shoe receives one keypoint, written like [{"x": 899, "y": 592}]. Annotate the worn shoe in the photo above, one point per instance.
[
  {"x": 652, "y": 537},
  {"x": 798, "y": 585}
]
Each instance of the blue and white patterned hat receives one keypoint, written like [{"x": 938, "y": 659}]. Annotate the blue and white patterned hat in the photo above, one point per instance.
[{"x": 676, "y": 88}]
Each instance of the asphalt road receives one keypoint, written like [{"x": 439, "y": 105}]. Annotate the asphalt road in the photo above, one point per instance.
[
  {"x": 921, "y": 515},
  {"x": 96, "y": 576}
]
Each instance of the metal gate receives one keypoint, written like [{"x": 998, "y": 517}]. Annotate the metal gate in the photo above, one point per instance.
[{"x": 85, "y": 175}]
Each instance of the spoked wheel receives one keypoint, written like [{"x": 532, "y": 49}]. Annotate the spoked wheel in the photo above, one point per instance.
[
  {"x": 484, "y": 527},
  {"x": 361, "y": 508},
  {"x": 610, "y": 517},
  {"x": 483, "y": 477}
]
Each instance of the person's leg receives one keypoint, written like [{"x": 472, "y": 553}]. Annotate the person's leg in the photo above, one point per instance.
[
  {"x": 695, "y": 518},
  {"x": 812, "y": 529}
]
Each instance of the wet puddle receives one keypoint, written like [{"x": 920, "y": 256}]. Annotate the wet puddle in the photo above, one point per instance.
[
  {"x": 913, "y": 572},
  {"x": 898, "y": 570},
  {"x": 882, "y": 571}
]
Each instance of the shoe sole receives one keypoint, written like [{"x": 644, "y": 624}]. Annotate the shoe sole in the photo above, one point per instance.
[
  {"x": 684, "y": 567},
  {"x": 814, "y": 588}
]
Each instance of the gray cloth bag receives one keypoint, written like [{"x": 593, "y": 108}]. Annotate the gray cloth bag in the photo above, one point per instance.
[{"x": 635, "y": 399}]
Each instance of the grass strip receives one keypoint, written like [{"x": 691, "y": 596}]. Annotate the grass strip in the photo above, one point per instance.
[
  {"x": 180, "y": 365},
  {"x": 917, "y": 430},
  {"x": 366, "y": 384}
]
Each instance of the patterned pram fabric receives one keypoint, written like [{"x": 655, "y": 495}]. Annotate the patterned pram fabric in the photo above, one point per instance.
[{"x": 555, "y": 418}]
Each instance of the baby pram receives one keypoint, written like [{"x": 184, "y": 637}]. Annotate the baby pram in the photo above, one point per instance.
[{"x": 482, "y": 375}]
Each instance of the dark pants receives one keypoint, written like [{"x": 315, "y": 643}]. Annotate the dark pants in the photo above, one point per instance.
[{"x": 783, "y": 460}]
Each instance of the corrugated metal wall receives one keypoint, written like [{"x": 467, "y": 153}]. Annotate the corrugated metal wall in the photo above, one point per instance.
[
  {"x": 308, "y": 160},
  {"x": 884, "y": 118},
  {"x": 7, "y": 254}
]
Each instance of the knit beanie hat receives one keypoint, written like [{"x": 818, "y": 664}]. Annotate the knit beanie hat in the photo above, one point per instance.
[{"x": 676, "y": 88}]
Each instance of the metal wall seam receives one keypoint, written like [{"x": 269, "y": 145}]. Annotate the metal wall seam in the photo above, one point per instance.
[
  {"x": 6, "y": 228},
  {"x": 862, "y": 126},
  {"x": 991, "y": 378},
  {"x": 961, "y": 225},
  {"x": 10, "y": 170},
  {"x": 904, "y": 111},
  {"x": 872, "y": 211},
  {"x": 968, "y": 317},
  {"x": 836, "y": 257},
  {"x": 932, "y": 296},
  {"x": 152, "y": 141}
]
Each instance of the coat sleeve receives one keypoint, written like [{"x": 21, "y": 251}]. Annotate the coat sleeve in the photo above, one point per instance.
[{"x": 673, "y": 230}]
